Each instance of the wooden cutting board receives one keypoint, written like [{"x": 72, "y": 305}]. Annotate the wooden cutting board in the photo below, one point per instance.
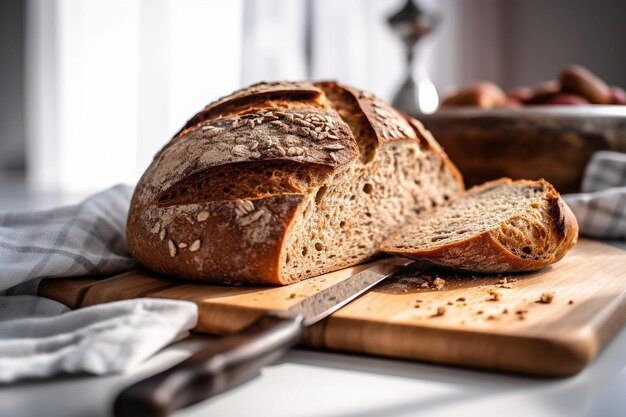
[{"x": 493, "y": 322}]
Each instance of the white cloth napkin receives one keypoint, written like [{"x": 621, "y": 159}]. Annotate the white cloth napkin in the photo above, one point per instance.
[
  {"x": 40, "y": 337},
  {"x": 601, "y": 206},
  {"x": 99, "y": 339}
]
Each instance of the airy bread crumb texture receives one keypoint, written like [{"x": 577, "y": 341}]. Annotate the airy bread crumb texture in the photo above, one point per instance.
[{"x": 345, "y": 220}]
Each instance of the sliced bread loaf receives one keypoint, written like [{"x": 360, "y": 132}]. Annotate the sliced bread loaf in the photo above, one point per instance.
[
  {"x": 500, "y": 226},
  {"x": 284, "y": 181}
]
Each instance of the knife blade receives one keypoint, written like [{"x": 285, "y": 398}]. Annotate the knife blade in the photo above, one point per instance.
[{"x": 236, "y": 358}]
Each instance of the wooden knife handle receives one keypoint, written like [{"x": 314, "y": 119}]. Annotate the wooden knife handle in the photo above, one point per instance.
[{"x": 224, "y": 364}]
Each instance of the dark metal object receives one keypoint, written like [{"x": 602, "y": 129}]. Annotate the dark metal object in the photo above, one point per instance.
[
  {"x": 237, "y": 358},
  {"x": 411, "y": 24}
]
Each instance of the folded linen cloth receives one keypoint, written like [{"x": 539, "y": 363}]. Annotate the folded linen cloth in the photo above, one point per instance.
[
  {"x": 41, "y": 337},
  {"x": 99, "y": 339},
  {"x": 601, "y": 206}
]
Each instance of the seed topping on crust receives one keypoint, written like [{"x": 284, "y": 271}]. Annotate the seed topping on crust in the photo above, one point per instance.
[
  {"x": 240, "y": 150},
  {"x": 172, "y": 248},
  {"x": 202, "y": 216},
  {"x": 295, "y": 151},
  {"x": 195, "y": 245},
  {"x": 155, "y": 229}
]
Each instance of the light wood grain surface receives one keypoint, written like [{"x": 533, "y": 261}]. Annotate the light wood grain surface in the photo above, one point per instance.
[{"x": 492, "y": 322}]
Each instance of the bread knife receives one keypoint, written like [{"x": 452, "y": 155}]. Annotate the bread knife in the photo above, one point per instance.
[{"x": 237, "y": 358}]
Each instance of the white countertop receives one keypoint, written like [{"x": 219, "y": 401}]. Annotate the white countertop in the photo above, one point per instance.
[{"x": 323, "y": 384}]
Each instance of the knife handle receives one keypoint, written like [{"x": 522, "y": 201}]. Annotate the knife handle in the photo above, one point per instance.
[{"x": 222, "y": 365}]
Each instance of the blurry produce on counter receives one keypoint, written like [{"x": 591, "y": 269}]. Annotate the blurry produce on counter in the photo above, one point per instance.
[
  {"x": 575, "y": 86},
  {"x": 522, "y": 133}
]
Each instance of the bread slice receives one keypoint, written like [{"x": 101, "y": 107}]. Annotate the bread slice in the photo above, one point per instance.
[
  {"x": 284, "y": 181},
  {"x": 500, "y": 226}
]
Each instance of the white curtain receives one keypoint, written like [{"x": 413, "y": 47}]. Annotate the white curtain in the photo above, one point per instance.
[{"x": 110, "y": 81}]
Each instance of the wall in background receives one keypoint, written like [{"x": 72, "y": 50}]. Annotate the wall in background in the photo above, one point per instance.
[
  {"x": 109, "y": 81},
  {"x": 540, "y": 37}
]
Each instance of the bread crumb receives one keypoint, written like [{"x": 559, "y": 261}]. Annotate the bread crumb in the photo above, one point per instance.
[
  {"x": 479, "y": 312},
  {"x": 491, "y": 317},
  {"x": 494, "y": 295},
  {"x": 546, "y": 297},
  {"x": 503, "y": 281},
  {"x": 460, "y": 299},
  {"x": 521, "y": 311},
  {"x": 450, "y": 303},
  {"x": 439, "y": 283},
  {"x": 505, "y": 311},
  {"x": 570, "y": 302},
  {"x": 419, "y": 300},
  {"x": 440, "y": 311},
  {"x": 424, "y": 285},
  {"x": 292, "y": 295},
  {"x": 405, "y": 290}
]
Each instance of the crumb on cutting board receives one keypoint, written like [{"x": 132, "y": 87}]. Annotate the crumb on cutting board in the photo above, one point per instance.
[
  {"x": 494, "y": 295},
  {"x": 440, "y": 311},
  {"x": 292, "y": 295},
  {"x": 439, "y": 283},
  {"x": 570, "y": 302},
  {"x": 546, "y": 297}
]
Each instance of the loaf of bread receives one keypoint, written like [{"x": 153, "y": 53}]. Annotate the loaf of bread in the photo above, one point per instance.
[
  {"x": 283, "y": 181},
  {"x": 501, "y": 226}
]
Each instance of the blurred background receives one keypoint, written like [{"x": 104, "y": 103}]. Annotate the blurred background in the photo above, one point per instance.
[{"x": 92, "y": 89}]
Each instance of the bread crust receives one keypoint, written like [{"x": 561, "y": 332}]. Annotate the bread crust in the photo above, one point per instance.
[
  {"x": 177, "y": 227},
  {"x": 484, "y": 252},
  {"x": 255, "y": 91}
]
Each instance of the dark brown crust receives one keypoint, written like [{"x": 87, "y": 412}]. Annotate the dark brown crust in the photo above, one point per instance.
[
  {"x": 241, "y": 237},
  {"x": 251, "y": 138},
  {"x": 387, "y": 123},
  {"x": 484, "y": 253},
  {"x": 297, "y": 90},
  {"x": 242, "y": 248}
]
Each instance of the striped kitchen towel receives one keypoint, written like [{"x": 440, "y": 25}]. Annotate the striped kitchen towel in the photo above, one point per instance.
[
  {"x": 41, "y": 337},
  {"x": 601, "y": 206}
]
